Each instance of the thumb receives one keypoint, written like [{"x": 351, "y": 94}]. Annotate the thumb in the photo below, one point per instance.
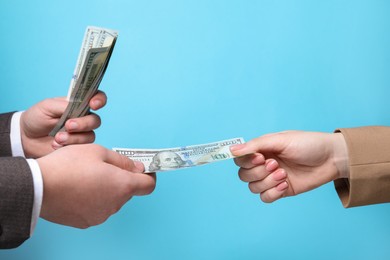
[
  {"x": 123, "y": 162},
  {"x": 266, "y": 143},
  {"x": 55, "y": 107}
]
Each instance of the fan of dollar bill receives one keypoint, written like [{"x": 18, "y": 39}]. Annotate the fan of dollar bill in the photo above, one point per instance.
[
  {"x": 95, "y": 53},
  {"x": 157, "y": 160}
]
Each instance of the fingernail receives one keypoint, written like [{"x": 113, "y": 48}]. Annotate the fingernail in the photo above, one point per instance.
[
  {"x": 236, "y": 147},
  {"x": 56, "y": 145},
  {"x": 61, "y": 137},
  {"x": 72, "y": 125},
  {"x": 96, "y": 103},
  {"x": 282, "y": 186},
  {"x": 279, "y": 175},
  {"x": 258, "y": 159},
  {"x": 139, "y": 165},
  {"x": 271, "y": 165}
]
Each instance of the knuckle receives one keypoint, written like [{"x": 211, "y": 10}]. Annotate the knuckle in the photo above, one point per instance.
[
  {"x": 252, "y": 187},
  {"x": 242, "y": 175},
  {"x": 99, "y": 149},
  {"x": 257, "y": 174},
  {"x": 265, "y": 197},
  {"x": 46, "y": 102},
  {"x": 49, "y": 102}
]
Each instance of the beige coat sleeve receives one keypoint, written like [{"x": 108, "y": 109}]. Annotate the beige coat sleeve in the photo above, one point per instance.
[{"x": 369, "y": 166}]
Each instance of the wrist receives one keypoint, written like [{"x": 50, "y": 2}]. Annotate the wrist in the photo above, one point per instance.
[{"x": 340, "y": 155}]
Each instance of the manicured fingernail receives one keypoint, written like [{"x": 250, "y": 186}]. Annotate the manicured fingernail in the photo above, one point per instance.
[
  {"x": 271, "y": 165},
  {"x": 62, "y": 137},
  {"x": 73, "y": 125},
  {"x": 282, "y": 186},
  {"x": 236, "y": 147},
  {"x": 279, "y": 175}
]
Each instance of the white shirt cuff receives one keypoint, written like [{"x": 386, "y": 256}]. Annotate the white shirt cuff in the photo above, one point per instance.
[
  {"x": 38, "y": 192},
  {"x": 16, "y": 138},
  {"x": 17, "y": 150}
]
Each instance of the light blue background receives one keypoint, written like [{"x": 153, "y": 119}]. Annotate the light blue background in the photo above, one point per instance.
[{"x": 191, "y": 72}]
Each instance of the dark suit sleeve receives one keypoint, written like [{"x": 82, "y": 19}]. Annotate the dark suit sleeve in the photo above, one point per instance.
[
  {"x": 5, "y": 130},
  {"x": 16, "y": 201},
  {"x": 16, "y": 191}
]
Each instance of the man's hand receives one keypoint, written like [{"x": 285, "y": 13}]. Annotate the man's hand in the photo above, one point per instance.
[
  {"x": 37, "y": 122},
  {"x": 85, "y": 184}
]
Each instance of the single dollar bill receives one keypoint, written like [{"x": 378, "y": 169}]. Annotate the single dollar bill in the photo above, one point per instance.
[
  {"x": 95, "y": 53},
  {"x": 156, "y": 160}
]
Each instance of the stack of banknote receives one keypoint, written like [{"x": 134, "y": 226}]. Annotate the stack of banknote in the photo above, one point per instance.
[
  {"x": 95, "y": 53},
  {"x": 157, "y": 160}
]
